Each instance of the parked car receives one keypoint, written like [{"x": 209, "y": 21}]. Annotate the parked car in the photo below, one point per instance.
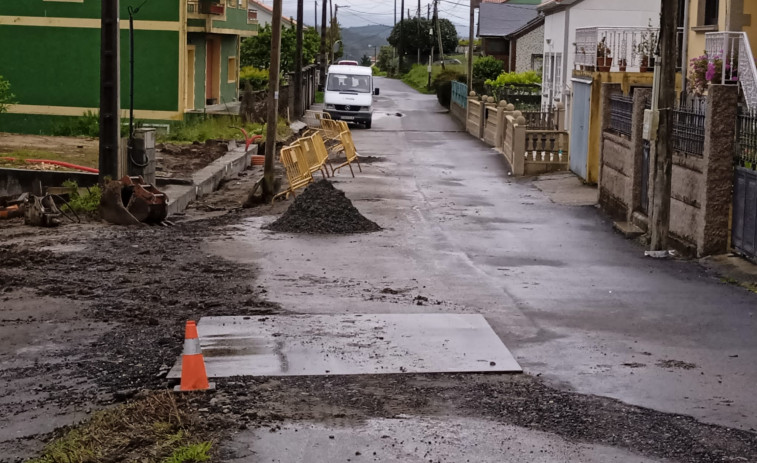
[{"x": 449, "y": 61}]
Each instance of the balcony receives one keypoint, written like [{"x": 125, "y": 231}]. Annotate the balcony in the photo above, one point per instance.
[
  {"x": 732, "y": 52},
  {"x": 213, "y": 7},
  {"x": 615, "y": 48}
]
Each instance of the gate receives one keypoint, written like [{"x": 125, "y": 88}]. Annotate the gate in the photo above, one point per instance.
[
  {"x": 744, "y": 229},
  {"x": 744, "y": 233},
  {"x": 579, "y": 137}
]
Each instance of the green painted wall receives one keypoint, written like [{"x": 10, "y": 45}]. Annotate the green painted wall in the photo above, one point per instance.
[
  {"x": 236, "y": 18},
  {"x": 30, "y": 123},
  {"x": 60, "y": 66},
  {"x": 198, "y": 40},
  {"x": 156, "y": 70},
  {"x": 156, "y": 10},
  {"x": 228, "y": 48}
]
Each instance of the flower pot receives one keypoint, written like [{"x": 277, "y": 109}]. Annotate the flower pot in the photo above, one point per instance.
[
  {"x": 604, "y": 64},
  {"x": 644, "y": 66}
]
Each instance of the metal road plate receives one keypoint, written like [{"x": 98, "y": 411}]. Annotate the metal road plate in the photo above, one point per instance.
[{"x": 350, "y": 345}]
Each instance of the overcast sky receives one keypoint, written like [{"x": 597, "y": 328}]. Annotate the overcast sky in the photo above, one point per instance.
[{"x": 365, "y": 12}]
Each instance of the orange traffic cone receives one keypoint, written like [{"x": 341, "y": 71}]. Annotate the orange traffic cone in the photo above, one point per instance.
[{"x": 193, "y": 375}]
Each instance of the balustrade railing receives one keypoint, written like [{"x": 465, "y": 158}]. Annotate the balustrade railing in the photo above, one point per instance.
[
  {"x": 732, "y": 54},
  {"x": 615, "y": 48},
  {"x": 546, "y": 146}
]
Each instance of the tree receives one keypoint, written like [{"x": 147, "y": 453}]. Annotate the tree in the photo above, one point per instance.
[
  {"x": 365, "y": 60},
  {"x": 256, "y": 51},
  {"x": 386, "y": 61},
  {"x": 6, "y": 97},
  {"x": 416, "y": 32}
]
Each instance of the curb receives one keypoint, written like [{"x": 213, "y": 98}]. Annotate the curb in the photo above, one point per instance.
[{"x": 207, "y": 179}]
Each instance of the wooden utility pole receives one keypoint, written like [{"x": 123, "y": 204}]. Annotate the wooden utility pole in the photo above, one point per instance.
[
  {"x": 298, "y": 62},
  {"x": 272, "y": 118},
  {"x": 438, "y": 31},
  {"x": 402, "y": 37},
  {"x": 663, "y": 156},
  {"x": 323, "y": 45},
  {"x": 470, "y": 45},
  {"x": 315, "y": 14}
]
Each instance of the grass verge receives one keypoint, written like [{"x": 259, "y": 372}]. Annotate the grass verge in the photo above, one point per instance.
[
  {"x": 88, "y": 159},
  {"x": 418, "y": 75},
  {"x": 154, "y": 429},
  {"x": 219, "y": 128}
]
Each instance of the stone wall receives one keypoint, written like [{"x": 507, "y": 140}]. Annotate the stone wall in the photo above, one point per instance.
[
  {"x": 525, "y": 47},
  {"x": 700, "y": 199}
]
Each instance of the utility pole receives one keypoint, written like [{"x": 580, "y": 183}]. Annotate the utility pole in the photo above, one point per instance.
[
  {"x": 272, "y": 118},
  {"x": 331, "y": 30},
  {"x": 322, "y": 73},
  {"x": 418, "y": 17},
  {"x": 298, "y": 62},
  {"x": 428, "y": 12},
  {"x": 402, "y": 37},
  {"x": 438, "y": 31},
  {"x": 315, "y": 14},
  {"x": 663, "y": 156},
  {"x": 470, "y": 45},
  {"x": 110, "y": 91}
]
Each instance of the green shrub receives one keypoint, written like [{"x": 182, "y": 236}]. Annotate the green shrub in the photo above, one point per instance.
[
  {"x": 487, "y": 68},
  {"x": 89, "y": 202},
  {"x": 6, "y": 97},
  {"x": 193, "y": 453},
  {"x": 257, "y": 78},
  {"x": 87, "y": 125},
  {"x": 442, "y": 84},
  {"x": 515, "y": 78}
]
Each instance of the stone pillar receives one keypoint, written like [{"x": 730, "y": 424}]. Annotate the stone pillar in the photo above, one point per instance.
[
  {"x": 519, "y": 146},
  {"x": 560, "y": 116},
  {"x": 715, "y": 192}
]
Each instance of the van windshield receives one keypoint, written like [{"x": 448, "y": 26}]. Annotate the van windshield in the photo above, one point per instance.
[{"x": 349, "y": 83}]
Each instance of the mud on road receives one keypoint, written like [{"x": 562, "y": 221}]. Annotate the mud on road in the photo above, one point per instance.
[{"x": 93, "y": 316}]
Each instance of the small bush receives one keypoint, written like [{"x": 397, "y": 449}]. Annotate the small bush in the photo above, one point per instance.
[
  {"x": 87, "y": 203},
  {"x": 442, "y": 83},
  {"x": 257, "y": 78},
  {"x": 6, "y": 97},
  {"x": 194, "y": 453},
  {"x": 487, "y": 68},
  {"x": 87, "y": 125}
]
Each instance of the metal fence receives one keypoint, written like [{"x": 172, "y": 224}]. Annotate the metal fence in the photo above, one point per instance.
[
  {"x": 746, "y": 146},
  {"x": 688, "y": 127},
  {"x": 621, "y": 114},
  {"x": 460, "y": 93}
]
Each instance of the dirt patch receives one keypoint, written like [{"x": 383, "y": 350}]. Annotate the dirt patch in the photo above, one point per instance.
[
  {"x": 676, "y": 364},
  {"x": 182, "y": 160},
  {"x": 322, "y": 209}
]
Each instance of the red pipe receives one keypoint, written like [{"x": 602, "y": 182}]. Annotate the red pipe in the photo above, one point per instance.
[{"x": 57, "y": 163}]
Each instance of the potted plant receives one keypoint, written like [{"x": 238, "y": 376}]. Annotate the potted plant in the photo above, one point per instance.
[
  {"x": 604, "y": 56},
  {"x": 644, "y": 50},
  {"x": 622, "y": 65}
]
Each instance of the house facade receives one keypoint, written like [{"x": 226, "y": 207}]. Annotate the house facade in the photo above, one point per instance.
[
  {"x": 186, "y": 58},
  {"x": 497, "y": 21},
  {"x": 529, "y": 47},
  {"x": 264, "y": 14}
]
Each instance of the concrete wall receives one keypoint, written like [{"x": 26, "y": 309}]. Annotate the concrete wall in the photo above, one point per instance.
[
  {"x": 14, "y": 182},
  {"x": 526, "y": 47}
]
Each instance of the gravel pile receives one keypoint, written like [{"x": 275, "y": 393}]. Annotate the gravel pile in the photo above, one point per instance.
[{"x": 322, "y": 209}]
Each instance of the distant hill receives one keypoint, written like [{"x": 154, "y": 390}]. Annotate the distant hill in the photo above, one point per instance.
[{"x": 357, "y": 40}]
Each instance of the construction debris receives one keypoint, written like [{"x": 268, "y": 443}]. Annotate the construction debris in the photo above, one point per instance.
[
  {"x": 322, "y": 209},
  {"x": 131, "y": 201}
]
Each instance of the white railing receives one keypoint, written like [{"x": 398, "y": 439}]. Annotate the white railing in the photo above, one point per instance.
[
  {"x": 732, "y": 52},
  {"x": 615, "y": 48}
]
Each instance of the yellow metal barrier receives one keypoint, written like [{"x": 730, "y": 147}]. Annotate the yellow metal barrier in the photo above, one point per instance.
[
  {"x": 297, "y": 169},
  {"x": 316, "y": 154},
  {"x": 350, "y": 152},
  {"x": 313, "y": 120}
]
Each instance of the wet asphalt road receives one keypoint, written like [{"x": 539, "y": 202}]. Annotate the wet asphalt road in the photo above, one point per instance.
[{"x": 575, "y": 302}]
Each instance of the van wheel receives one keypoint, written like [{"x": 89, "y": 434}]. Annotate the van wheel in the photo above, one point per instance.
[{"x": 368, "y": 124}]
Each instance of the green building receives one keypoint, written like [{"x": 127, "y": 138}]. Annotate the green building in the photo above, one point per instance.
[{"x": 186, "y": 58}]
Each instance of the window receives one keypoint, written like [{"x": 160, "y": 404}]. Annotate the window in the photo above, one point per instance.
[
  {"x": 708, "y": 13},
  {"x": 232, "y": 69},
  {"x": 252, "y": 16},
  {"x": 552, "y": 84},
  {"x": 537, "y": 63}
]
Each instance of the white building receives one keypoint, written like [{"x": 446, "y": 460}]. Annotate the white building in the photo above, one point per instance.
[
  {"x": 563, "y": 17},
  {"x": 264, "y": 14}
]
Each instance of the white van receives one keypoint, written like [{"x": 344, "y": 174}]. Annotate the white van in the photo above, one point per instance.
[{"x": 348, "y": 94}]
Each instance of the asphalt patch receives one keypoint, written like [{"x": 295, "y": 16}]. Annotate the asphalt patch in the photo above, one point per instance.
[{"x": 322, "y": 209}]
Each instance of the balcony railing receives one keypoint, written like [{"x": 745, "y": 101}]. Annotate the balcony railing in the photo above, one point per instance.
[
  {"x": 615, "y": 48},
  {"x": 732, "y": 53},
  {"x": 214, "y": 7}
]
